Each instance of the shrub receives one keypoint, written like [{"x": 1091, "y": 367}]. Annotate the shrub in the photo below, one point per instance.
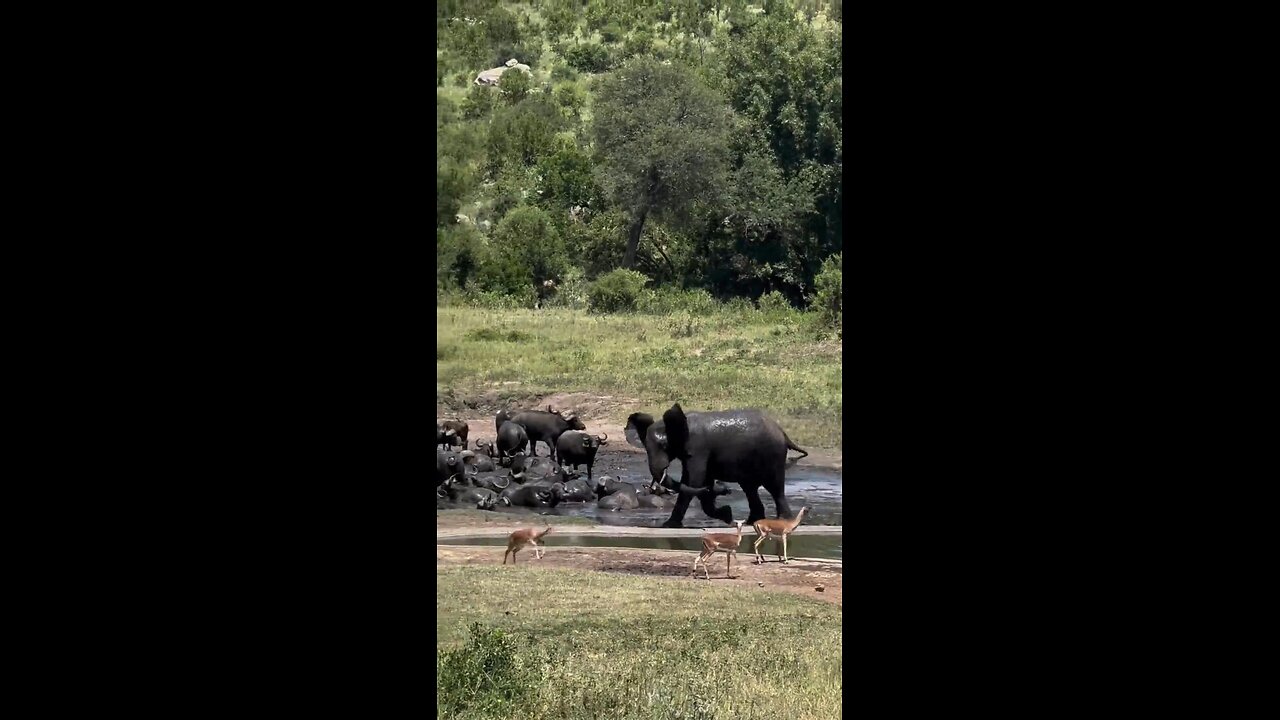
[
  {"x": 616, "y": 291},
  {"x": 487, "y": 678},
  {"x": 480, "y": 102},
  {"x": 514, "y": 86},
  {"x": 527, "y": 236},
  {"x": 456, "y": 251},
  {"x": 572, "y": 292},
  {"x": 828, "y": 301},
  {"x": 774, "y": 303},
  {"x": 669, "y": 300},
  {"x": 639, "y": 44},
  {"x": 683, "y": 325},
  {"x": 563, "y": 72},
  {"x": 589, "y": 57},
  {"x": 611, "y": 32}
]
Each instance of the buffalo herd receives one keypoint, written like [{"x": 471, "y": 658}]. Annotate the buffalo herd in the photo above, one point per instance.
[{"x": 739, "y": 446}]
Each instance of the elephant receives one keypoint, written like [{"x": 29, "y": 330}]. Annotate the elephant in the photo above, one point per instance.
[
  {"x": 512, "y": 438},
  {"x": 546, "y": 427},
  {"x": 530, "y": 496},
  {"x": 742, "y": 446},
  {"x": 578, "y": 448}
]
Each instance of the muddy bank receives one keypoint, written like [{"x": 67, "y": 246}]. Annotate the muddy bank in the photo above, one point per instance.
[
  {"x": 601, "y": 414},
  {"x": 800, "y": 577}
]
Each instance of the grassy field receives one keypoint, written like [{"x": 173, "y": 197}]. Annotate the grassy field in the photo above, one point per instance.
[
  {"x": 716, "y": 361},
  {"x": 552, "y": 643}
]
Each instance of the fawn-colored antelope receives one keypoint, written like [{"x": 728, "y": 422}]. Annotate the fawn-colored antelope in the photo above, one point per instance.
[
  {"x": 776, "y": 528},
  {"x": 517, "y": 541},
  {"x": 713, "y": 543}
]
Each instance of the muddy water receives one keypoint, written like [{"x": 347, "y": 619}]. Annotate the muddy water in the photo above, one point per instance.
[
  {"x": 819, "y": 488},
  {"x": 798, "y": 544}
]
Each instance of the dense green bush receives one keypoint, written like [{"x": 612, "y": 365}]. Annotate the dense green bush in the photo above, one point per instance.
[
  {"x": 563, "y": 72},
  {"x": 480, "y": 102},
  {"x": 589, "y": 58},
  {"x": 457, "y": 253},
  {"x": 611, "y": 32},
  {"x": 641, "y": 43},
  {"x": 528, "y": 235},
  {"x": 665, "y": 301},
  {"x": 514, "y": 86},
  {"x": 828, "y": 301},
  {"x": 616, "y": 291},
  {"x": 773, "y": 303}
]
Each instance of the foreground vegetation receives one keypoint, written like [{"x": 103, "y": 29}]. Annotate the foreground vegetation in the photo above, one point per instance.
[
  {"x": 779, "y": 360},
  {"x": 552, "y": 643}
]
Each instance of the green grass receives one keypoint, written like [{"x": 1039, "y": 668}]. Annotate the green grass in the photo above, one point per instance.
[
  {"x": 715, "y": 361},
  {"x": 593, "y": 645}
]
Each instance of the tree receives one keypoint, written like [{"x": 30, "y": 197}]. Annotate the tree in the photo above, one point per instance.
[
  {"x": 527, "y": 237},
  {"x": 567, "y": 178},
  {"x": 524, "y": 133},
  {"x": 570, "y": 98},
  {"x": 663, "y": 138}
]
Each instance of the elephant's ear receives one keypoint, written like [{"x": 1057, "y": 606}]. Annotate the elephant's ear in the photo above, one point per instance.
[
  {"x": 637, "y": 427},
  {"x": 677, "y": 426}
]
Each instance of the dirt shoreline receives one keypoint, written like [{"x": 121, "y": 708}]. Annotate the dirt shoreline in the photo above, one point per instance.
[{"x": 798, "y": 577}]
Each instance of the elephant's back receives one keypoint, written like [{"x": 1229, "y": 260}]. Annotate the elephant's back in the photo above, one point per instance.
[
  {"x": 741, "y": 439},
  {"x": 728, "y": 423}
]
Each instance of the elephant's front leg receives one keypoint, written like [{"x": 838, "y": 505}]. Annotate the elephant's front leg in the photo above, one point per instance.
[
  {"x": 753, "y": 500},
  {"x": 677, "y": 513},
  {"x": 698, "y": 477}
]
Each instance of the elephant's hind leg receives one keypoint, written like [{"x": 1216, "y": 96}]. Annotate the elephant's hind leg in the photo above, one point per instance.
[
  {"x": 778, "y": 489},
  {"x": 753, "y": 501}
]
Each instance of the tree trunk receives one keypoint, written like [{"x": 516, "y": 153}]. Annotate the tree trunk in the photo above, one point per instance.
[{"x": 633, "y": 240}]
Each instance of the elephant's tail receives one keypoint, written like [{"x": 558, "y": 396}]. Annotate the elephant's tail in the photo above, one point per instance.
[{"x": 793, "y": 446}]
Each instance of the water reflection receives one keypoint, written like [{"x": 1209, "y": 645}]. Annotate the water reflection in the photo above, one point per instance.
[{"x": 819, "y": 488}]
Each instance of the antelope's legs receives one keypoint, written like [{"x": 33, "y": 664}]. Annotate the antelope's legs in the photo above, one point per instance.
[{"x": 761, "y": 539}]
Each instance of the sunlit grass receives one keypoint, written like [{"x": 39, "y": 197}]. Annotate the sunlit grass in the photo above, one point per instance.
[
  {"x": 718, "y": 361},
  {"x": 591, "y": 645}
]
